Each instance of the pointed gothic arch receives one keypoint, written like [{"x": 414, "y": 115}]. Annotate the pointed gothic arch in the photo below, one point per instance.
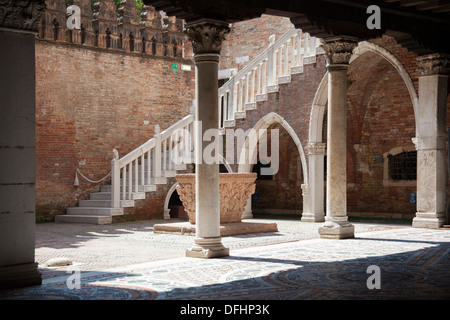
[{"x": 318, "y": 108}]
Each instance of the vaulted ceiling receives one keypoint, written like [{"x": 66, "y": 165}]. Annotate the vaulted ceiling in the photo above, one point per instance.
[{"x": 422, "y": 26}]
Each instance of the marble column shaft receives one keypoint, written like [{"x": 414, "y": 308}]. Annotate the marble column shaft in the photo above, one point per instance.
[
  {"x": 430, "y": 142},
  {"x": 336, "y": 226},
  {"x": 206, "y": 40}
]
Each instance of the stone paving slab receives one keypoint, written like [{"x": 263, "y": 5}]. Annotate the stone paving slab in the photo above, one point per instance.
[{"x": 287, "y": 265}]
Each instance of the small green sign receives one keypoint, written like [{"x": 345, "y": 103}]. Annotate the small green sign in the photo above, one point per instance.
[{"x": 175, "y": 67}]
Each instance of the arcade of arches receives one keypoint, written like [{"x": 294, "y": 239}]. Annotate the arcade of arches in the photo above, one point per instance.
[{"x": 366, "y": 128}]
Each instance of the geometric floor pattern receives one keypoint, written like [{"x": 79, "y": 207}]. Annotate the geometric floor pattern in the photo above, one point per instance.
[{"x": 413, "y": 264}]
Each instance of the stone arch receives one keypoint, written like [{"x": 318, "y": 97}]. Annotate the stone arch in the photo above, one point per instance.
[
  {"x": 245, "y": 153},
  {"x": 315, "y": 137},
  {"x": 264, "y": 123},
  {"x": 321, "y": 97},
  {"x": 166, "y": 201}
]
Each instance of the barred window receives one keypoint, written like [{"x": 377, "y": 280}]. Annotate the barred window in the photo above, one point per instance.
[{"x": 403, "y": 166}]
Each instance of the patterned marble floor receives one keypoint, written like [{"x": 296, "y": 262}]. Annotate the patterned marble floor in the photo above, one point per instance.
[{"x": 414, "y": 264}]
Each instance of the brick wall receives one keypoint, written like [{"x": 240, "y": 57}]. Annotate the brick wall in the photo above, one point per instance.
[
  {"x": 249, "y": 38},
  {"x": 89, "y": 101},
  {"x": 381, "y": 117}
]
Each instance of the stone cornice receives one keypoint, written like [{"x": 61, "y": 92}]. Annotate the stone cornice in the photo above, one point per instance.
[
  {"x": 433, "y": 64},
  {"x": 207, "y": 37},
  {"x": 339, "y": 50},
  {"x": 21, "y": 14}
]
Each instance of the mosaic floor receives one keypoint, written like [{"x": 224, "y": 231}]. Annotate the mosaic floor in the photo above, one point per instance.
[{"x": 413, "y": 264}]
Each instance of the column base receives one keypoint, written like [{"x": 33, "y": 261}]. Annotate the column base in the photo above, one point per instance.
[
  {"x": 20, "y": 275},
  {"x": 337, "y": 230},
  {"x": 247, "y": 215},
  {"x": 429, "y": 220},
  {"x": 166, "y": 214},
  {"x": 312, "y": 217},
  {"x": 207, "y": 248}
]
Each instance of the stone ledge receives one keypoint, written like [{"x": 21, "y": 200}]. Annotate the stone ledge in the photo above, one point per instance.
[{"x": 229, "y": 229}]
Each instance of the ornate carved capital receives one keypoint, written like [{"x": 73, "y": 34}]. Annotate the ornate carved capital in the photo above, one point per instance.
[
  {"x": 433, "y": 64},
  {"x": 339, "y": 50},
  {"x": 317, "y": 148},
  {"x": 21, "y": 14},
  {"x": 207, "y": 37}
]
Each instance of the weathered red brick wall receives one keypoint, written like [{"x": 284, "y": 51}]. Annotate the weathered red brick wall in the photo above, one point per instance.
[
  {"x": 386, "y": 121},
  {"x": 89, "y": 101},
  {"x": 250, "y": 38}
]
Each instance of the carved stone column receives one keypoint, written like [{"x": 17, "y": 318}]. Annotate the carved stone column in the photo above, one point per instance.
[
  {"x": 339, "y": 51},
  {"x": 430, "y": 142},
  {"x": 316, "y": 153},
  {"x": 19, "y": 22},
  {"x": 207, "y": 40}
]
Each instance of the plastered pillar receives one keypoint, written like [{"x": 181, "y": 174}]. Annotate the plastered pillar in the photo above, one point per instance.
[
  {"x": 336, "y": 225},
  {"x": 430, "y": 142},
  {"x": 18, "y": 27},
  {"x": 206, "y": 40}
]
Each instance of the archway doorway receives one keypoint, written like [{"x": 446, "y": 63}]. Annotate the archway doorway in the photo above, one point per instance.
[
  {"x": 381, "y": 122},
  {"x": 279, "y": 194}
]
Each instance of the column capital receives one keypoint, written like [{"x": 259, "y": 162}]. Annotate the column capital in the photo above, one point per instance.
[
  {"x": 22, "y": 14},
  {"x": 429, "y": 143},
  {"x": 316, "y": 148},
  {"x": 339, "y": 50},
  {"x": 207, "y": 36},
  {"x": 433, "y": 64}
]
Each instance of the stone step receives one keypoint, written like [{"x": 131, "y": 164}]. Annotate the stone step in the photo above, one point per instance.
[
  {"x": 100, "y": 195},
  {"x": 94, "y": 203},
  {"x": 95, "y": 211},
  {"x": 83, "y": 219}
]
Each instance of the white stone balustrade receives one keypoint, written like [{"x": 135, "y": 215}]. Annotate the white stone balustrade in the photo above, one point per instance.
[
  {"x": 150, "y": 164},
  {"x": 273, "y": 66}
]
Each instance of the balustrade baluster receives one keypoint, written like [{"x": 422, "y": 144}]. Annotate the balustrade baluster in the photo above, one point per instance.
[
  {"x": 286, "y": 58},
  {"x": 130, "y": 182},
  {"x": 307, "y": 45},
  {"x": 115, "y": 183},
  {"x": 225, "y": 106},
  {"x": 149, "y": 167},
  {"x": 142, "y": 170},
  {"x": 264, "y": 77},
  {"x": 241, "y": 94},
  {"x": 165, "y": 156},
  {"x": 293, "y": 64},
  {"x": 299, "y": 48},
  {"x": 247, "y": 88},
  {"x": 157, "y": 156},
  {"x": 136, "y": 175},
  {"x": 124, "y": 183},
  {"x": 252, "y": 91},
  {"x": 271, "y": 65}
]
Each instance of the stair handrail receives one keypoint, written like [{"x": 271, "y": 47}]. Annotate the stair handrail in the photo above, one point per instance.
[
  {"x": 158, "y": 145},
  {"x": 266, "y": 66}
]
